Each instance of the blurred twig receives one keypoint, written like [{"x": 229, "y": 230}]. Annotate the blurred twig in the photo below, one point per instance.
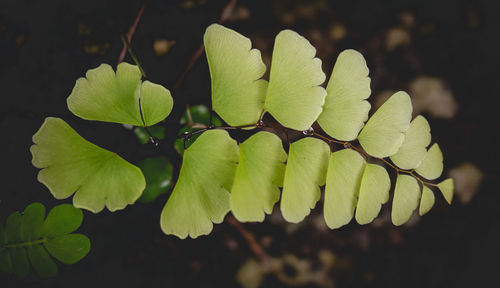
[
  {"x": 131, "y": 32},
  {"x": 254, "y": 245},
  {"x": 226, "y": 12}
]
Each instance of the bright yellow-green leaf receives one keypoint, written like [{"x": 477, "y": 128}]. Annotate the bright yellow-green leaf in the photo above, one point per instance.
[
  {"x": 343, "y": 179},
  {"x": 431, "y": 166},
  {"x": 373, "y": 192},
  {"x": 406, "y": 199},
  {"x": 237, "y": 93},
  {"x": 294, "y": 97},
  {"x": 346, "y": 110},
  {"x": 71, "y": 165},
  {"x": 258, "y": 177},
  {"x": 305, "y": 172},
  {"x": 383, "y": 134},
  {"x": 446, "y": 187},
  {"x": 414, "y": 147},
  {"x": 427, "y": 201},
  {"x": 106, "y": 96},
  {"x": 201, "y": 195}
]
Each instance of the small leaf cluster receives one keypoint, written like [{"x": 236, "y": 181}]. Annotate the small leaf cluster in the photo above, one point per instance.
[{"x": 29, "y": 237}]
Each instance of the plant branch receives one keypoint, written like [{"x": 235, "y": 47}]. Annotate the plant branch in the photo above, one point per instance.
[
  {"x": 130, "y": 33},
  {"x": 250, "y": 238},
  {"x": 226, "y": 12}
]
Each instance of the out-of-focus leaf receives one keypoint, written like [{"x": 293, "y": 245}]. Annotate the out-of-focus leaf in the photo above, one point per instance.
[{"x": 158, "y": 173}]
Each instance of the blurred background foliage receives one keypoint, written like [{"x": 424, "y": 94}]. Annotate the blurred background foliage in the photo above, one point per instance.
[{"x": 443, "y": 52}]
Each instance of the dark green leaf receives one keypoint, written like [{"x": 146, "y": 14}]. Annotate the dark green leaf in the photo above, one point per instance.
[
  {"x": 143, "y": 136},
  {"x": 41, "y": 261},
  {"x": 2, "y": 235},
  {"x": 32, "y": 221},
  {"x": 62, "y": 219},
  {"x": 158, "y": 174},
  {"x": 199, "y": 114},
  {"x": 20, "y": 264},
  {"x": 13, "y": 228},
  {"x": 5, "y": 261},
  {"x": 68, "y": 249}
]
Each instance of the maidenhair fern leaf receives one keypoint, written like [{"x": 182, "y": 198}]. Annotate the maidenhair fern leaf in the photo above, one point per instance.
[
  {"x": 414, "y": 147},
  {"x": 343, "y": 179},
  {"x": 237, "y": 93},
  {"x": 28, "y": 238},
  {"x": 406, "y": 199},
  {"x": 305, "y": 172},
  {"x": 294, "y": 97},
  {"x": 258, "y": 177},
  {"x": 427, "y": 201},
  {"x": 71, "y": 165},
  {"x": 383, "y": 134},
  {"x": 346, "y": 110},
  {"x": 446, "y": 187},
  {"x": 373, "y": 192},
  {"x": 201, "y": 195},
  {"x": 431, "y": 166},
  {"x": 119, "y": 98}
]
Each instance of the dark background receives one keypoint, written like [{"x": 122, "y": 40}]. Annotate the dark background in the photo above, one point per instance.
[{"x": 46, "y": 45}]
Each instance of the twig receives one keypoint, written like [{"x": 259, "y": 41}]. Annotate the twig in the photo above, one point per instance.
[
  {"x": 131, "y": 32},
  {"x": 254, "y": 245},
  {"x": 226, "y": 12}
]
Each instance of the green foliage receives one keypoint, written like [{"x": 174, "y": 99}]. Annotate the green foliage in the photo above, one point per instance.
[
  {"x": 201, "y": 194},
  {"x": 373, "y": 192},
  {"x": 71, "y": 165},
  {"x": 413, "y": 149},
  {"x": 195, "y": 118},
  {"x": 354, "y": 187},
  {"x": 29, "y": 238},
  {"x": 294, "y": 96},
  {"x": 343, "y": 179},
  {"x": 155, "y": 130},
  {"x": 158, "y": 172},
  {"x": 431, "y": 166},
  {"x": 237, "y": 93},
  {"x": 260, "y": 157},
  {"x": 305, "y": 172},
  {"x": 119, "y": 98},
  {"x": 383, "y": 134},
  {"x": 217, "y": 174},
  {"x": 346, "y": 109},
  {"x": 406, "y": 199}
]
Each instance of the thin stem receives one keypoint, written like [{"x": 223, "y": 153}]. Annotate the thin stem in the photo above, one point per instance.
[
  {"x": 134, "y": 58},
  {"x": 24, "y": 244},
  {"x": 130, "y": 33},
  {"x": 252, "y": 243}
]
